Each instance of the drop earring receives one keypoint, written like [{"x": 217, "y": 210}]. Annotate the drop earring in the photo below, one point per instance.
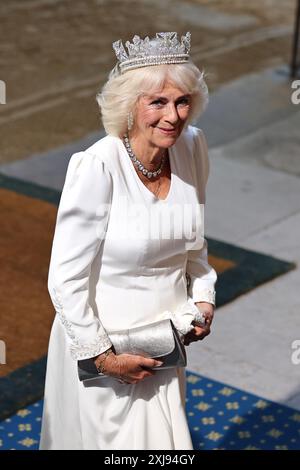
[{"x": 130, "y": 120}]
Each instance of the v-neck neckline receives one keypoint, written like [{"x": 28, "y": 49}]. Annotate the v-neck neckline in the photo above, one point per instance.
[{"x": 139, "y": 181}]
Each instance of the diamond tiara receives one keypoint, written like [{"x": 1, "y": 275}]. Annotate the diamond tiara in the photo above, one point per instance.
[{"x": 163, "y": 49}]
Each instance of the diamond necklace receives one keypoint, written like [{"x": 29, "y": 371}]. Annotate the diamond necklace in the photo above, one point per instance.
[{"x": 138, "y": 164}]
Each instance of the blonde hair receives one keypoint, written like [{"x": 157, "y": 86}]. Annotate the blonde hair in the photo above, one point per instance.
[{"x": 120, "y": 93}]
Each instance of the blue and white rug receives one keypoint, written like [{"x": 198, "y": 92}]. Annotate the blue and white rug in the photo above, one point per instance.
[{"x": 220, "y": 417}]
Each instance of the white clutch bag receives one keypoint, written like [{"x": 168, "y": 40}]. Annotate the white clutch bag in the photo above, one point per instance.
[{"x": 159, "y": 340}]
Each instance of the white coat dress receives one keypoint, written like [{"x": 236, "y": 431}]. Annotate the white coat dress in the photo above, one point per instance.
[{"x": 119, "y": 259}]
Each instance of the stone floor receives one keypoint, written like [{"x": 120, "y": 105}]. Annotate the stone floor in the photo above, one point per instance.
[{"x": 55, "y": 55}]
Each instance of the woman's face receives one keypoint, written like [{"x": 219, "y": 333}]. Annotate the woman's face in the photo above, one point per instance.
[{"x": 160, "y": 117}]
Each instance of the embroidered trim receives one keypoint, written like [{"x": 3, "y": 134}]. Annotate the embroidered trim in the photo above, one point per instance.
[
  {"x": 84, "y": 351},
  {"x": 181, "y": 323},
  {"x": 79, "y": 350},
  {"x": 205, "y": 295},
  {"x": 184, "y": 315}
]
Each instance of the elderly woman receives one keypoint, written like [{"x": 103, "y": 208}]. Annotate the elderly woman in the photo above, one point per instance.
[{"x": 112, "y": 267}]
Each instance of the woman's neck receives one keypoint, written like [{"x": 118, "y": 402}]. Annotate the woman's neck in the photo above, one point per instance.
[{"x": 149, "y": 155}]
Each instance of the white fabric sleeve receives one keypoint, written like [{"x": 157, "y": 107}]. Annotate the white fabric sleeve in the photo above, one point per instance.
[
  {"x": 183, "y": 316},
  {"x": 201, "y": 275},
  {"x": 81, "y": 223}
]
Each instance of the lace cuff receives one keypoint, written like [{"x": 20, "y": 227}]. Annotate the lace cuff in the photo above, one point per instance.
[
  {"x": 80, "y": 349},
  {"x": 205, "y": 295},
  {"x": 184, "y": 316}
]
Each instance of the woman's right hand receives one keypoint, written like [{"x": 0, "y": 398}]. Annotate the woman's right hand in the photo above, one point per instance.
[{"x": 129, "y": 368}]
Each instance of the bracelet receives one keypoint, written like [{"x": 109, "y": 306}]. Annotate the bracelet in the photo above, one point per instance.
[{"x": 101, "y": 366}]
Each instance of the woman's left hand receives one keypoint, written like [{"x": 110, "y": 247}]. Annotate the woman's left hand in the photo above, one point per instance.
[{"x": 199, "y": 332}]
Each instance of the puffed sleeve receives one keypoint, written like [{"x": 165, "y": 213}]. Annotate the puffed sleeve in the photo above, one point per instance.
[
  {"x": 81, "y": 223},
  {"x": 202, "y": 277}
]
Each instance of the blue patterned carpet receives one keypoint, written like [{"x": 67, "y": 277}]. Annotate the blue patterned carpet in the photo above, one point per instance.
[{"x": 220, "y": 417}]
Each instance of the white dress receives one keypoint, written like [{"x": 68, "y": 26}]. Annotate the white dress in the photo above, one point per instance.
[{"x": 107, "y": 272}]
